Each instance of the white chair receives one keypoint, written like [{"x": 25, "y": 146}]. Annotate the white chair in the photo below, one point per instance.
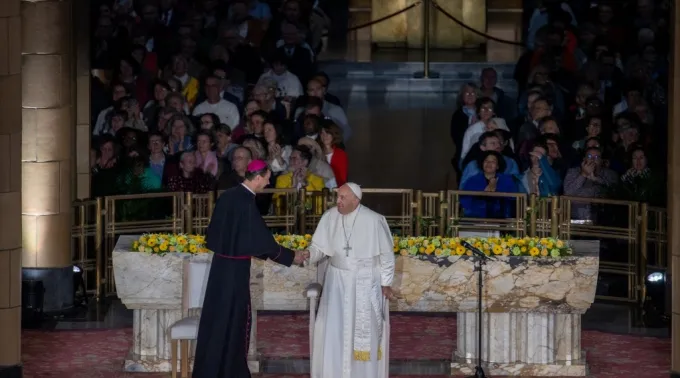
[
  {"x": 313, "y": 292},
  {"x": 186, "y": 329}
]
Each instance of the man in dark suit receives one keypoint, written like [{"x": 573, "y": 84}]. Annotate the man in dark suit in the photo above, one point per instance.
[{"x": 300, "y": 56}]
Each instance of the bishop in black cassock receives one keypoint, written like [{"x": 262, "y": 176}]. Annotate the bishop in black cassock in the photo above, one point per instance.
[{"x": 236, "y": 233}]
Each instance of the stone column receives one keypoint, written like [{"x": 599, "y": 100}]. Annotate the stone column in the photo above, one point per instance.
[
  {"x": 48, "y": 125},
  {"x": 81, "y": 18},
  {"x": 10, "y": 189},
  {"x": 673, "y": 206}
]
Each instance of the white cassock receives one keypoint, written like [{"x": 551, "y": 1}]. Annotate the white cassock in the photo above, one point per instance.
[{"x": 351, "y": 334}]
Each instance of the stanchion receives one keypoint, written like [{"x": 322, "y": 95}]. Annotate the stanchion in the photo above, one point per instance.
[{"x": 426, "y": 73}]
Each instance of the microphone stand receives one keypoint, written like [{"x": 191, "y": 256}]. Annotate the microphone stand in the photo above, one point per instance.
[{"x": 480, "y": 261}]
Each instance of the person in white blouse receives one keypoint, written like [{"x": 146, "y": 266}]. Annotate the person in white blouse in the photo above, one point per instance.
[
  {"x": 476, "y": 130},
  {"x": 485, "y": 112},
  {"x": 279, "y": 154},
  {"x": 288, "y": 85},
  {"x": 214, "y": 103}
]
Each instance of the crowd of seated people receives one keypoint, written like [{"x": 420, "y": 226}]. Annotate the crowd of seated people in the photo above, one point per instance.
[
  {"x": 590, "y": 110},
  {"x": 185, "y": 93}
]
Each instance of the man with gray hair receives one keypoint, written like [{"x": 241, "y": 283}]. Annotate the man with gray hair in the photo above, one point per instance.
[{"x": 351, "y": 333}]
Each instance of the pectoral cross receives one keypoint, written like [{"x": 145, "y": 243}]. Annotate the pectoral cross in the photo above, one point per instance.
[{"x": 347, "y": 249}]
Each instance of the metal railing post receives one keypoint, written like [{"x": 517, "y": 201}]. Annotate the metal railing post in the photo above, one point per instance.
[
  {"x": 427, "y": 7},
  {"x": 325, "y": 194},
  {"x": 443, "y": 213},
  {"x": 532, "y": 215},
  {"x": 427, "y": 19},
  {"x": 188, "y": 213},
  {"x": 302, "y": 210},
  {"x": 211, "y": 205},
  {"x": 554, "y": 217},
  {"x": 418, "y": 204},
  {"x": 642, "y": 255},
  {"x": 100, "y": 260}
]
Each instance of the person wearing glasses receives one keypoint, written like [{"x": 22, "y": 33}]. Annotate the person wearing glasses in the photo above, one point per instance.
[{"x": 589, "y": 180}]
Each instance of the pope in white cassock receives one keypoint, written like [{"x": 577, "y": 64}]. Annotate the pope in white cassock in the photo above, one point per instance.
[{"x": 351, "y": 334}]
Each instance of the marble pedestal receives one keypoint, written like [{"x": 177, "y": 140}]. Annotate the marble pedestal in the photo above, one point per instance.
[{"x": 520, "y": 344}]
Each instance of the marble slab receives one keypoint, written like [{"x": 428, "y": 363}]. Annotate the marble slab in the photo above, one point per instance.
[
  {"x": 511, "y": 283},
  {"x": 423, "y": 283}
]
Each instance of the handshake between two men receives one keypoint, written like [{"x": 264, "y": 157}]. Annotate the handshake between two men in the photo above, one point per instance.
[{"x": 301, "y": 257}]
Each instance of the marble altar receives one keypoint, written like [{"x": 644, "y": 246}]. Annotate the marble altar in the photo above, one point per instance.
[{"x": 532, "y": 318}]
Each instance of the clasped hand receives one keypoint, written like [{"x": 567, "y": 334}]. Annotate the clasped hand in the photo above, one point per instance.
[{"x": 301, "y": 257}]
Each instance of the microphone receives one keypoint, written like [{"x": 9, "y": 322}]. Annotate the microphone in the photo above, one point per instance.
[{"x": 475, "y": 251}]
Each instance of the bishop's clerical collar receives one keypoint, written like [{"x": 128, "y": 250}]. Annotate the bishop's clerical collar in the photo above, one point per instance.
[{"x": 247, "y": 188}]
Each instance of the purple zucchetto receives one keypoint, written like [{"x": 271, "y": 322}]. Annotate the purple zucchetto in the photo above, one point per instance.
[{"x": 256, "y": 165}]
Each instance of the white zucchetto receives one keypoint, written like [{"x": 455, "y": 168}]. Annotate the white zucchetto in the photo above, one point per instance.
[{"x": 356, "y": 189}]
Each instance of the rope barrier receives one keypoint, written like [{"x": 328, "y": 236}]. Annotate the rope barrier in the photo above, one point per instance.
[
  {"x": 384, "y": 18},
  {"x": 464, "y": 26}
]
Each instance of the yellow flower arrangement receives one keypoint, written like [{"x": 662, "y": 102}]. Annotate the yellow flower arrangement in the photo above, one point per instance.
[
  {"x": 405, "y": 246},
  {"x": 294, "y": 242},
  {"x": 503, "y": 246},
  {"x": 165, "y": 243}
]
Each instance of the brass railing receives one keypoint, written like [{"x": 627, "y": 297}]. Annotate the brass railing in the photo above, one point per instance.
[
  {"x": 515, "y": 224},
  {"x": 633, "y": 237},
  {"x": 616, "y": 223}
]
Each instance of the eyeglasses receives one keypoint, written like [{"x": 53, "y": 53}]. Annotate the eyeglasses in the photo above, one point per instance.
[{"x": 593, "y": 157}]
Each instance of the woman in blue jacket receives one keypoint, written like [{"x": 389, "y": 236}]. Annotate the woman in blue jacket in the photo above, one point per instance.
[{"x": 491, "y": 179}]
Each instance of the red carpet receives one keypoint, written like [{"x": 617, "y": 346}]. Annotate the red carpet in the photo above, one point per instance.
[{"x": 100, "y": 353}]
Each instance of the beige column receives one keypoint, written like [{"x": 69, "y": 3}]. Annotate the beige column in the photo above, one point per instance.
[
  {"x": 673, "y": 207},
  {"x": 81, "y": 18},
  {"x": 46, "y": 152},
  {"x": 10, "y": 188}
]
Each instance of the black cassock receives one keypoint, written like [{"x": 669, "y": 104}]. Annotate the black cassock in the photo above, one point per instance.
[{"x": 236, "y": 233}]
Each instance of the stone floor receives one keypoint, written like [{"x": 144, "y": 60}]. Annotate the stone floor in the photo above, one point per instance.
[{"x": 92, "y": 344}]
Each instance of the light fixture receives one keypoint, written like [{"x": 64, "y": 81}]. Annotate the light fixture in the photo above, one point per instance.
[
  {"x": 654, "y": 308},
  {"x": 79, "y": 299},
  {"x": 656, "y": 277}
]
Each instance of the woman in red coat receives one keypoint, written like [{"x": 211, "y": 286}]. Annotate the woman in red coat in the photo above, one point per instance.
[{"x": 330, "y": 138}]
